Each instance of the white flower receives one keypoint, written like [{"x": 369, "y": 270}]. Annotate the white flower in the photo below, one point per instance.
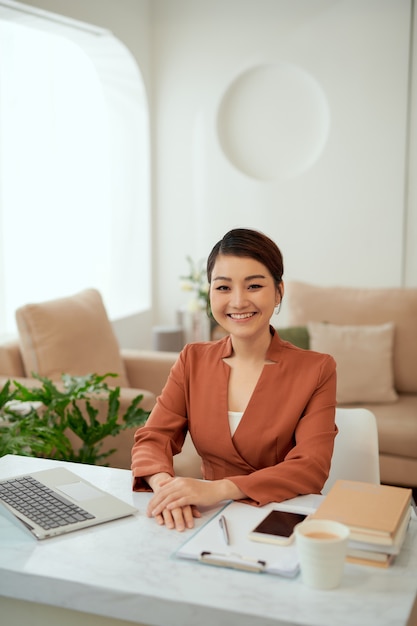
[
  {"x": 196, "y": 282},
  {"x": 193, "y": 305},
  {"x": 186, "y": 285}
]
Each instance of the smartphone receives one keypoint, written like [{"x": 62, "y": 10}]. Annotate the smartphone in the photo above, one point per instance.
[{"x": 277, "y": 527}]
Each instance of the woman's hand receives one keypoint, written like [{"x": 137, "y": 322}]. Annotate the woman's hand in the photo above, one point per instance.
[
  {"x": 179, "y": 518},
  {"x": 175, "y": 500}
]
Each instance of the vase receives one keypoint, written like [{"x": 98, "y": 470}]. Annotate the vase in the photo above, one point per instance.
[{"x": 196, "y": 325}]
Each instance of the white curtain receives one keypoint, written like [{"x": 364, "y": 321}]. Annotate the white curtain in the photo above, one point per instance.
[{"x": 74, "y": 168}]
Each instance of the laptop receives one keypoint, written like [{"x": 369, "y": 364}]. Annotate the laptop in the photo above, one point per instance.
[{"x": 53, "y": 502}]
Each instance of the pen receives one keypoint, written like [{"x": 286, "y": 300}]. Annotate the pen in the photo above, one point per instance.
[{"x": 223, "y": 526}]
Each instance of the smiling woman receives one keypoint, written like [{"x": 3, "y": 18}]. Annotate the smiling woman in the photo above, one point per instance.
[
  {"x": 74, "y": 165},
  {"x": 260, "y": 411}
]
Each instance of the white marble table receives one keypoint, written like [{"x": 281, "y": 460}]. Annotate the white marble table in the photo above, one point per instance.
[{"x": 125, "y": 570}]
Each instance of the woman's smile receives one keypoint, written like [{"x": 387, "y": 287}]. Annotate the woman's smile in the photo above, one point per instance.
[{"x": 240, "y": 316}]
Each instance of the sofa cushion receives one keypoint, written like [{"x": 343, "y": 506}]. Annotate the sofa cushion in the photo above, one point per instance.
[
  {"x": 361, "y": 306},
  {"x": 11, "y": 364},
  {"x": 363, "y": 356},
  {"x": 397, "y": 427},
  {"x": 297, "y": 335},
  {"x": 71, "y": 335}
]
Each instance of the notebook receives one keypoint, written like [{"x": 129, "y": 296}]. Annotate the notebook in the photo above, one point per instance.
[
  {"x": 374, "y": 513},
  {"x": 57, "y": 501}
]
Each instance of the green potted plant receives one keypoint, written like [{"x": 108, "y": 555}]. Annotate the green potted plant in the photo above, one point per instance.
[{"x": 43, "y": 420}]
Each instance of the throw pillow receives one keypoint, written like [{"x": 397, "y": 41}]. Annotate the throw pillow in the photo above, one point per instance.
[
  {"x": 297, "y": 335},
  {"x": 363, "y": 306},
  {"x": 71, "y": 335},
  {"x": 364, "y": 358}
]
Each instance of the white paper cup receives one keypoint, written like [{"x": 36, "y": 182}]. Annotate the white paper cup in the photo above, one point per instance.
[{"x": 322, "y": 547}]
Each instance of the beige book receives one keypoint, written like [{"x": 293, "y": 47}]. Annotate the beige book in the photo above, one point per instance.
[{"x": 374, "y": 513}]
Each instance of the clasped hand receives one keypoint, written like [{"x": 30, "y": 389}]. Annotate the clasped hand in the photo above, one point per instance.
[{"x": 175, "y": 500}]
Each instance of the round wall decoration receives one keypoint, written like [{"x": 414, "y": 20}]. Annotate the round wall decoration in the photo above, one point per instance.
[{"x": 273, "y": 121}]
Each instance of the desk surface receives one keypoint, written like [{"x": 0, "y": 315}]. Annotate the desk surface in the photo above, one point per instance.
[{"x": 126, "y": 570}]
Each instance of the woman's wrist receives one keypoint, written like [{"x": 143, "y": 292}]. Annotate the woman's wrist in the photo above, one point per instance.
[
  {"x": 155, "y": 479},
  {"x": 230, "y": 491}
]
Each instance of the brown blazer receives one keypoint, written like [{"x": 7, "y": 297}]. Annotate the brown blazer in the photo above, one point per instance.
[{"x": 284, "y": 442}]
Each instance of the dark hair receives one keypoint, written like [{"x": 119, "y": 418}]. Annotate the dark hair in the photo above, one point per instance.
[{"x": 249, "y": 243}]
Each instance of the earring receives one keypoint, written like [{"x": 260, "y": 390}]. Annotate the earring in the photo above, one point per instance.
[{"x": 277, "y": 308}]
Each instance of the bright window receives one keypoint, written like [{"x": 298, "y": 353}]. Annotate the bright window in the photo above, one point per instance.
[{"x": 74, "y": 169}]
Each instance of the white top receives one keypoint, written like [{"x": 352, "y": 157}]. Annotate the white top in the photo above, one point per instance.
[
  {"x": 234, "y": 419},
  {"x": 126, "y": 570}
]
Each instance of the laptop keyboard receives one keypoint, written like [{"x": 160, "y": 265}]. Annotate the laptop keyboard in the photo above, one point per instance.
[{"x": 41, "y": 504}]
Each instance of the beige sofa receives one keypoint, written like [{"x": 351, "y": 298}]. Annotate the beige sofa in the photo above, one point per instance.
[
  {"x": 376, "y": 327},
  {"x": 372, "y": 333},
  {"x": 73, "y": 335}
]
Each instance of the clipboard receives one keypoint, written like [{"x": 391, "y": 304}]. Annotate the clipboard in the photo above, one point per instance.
[{"x": 207, "y": 544}]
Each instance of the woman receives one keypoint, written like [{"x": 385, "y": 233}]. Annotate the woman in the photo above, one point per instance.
[{"x": 259, "y": 410}]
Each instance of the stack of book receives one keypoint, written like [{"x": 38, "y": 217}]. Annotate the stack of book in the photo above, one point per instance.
[{"x": 377, "y": 515}]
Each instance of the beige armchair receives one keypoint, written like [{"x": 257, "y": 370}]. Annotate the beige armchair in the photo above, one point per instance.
[{"x": 73, "y": 335}]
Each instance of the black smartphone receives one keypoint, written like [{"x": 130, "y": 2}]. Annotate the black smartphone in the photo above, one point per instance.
[{"x": 277, "y": 527}]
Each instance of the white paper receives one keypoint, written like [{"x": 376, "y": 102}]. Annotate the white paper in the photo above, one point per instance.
[{"x": 241, "y": 519}]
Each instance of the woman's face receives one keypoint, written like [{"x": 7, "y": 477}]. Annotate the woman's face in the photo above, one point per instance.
[{"x": 243, "y": 295}]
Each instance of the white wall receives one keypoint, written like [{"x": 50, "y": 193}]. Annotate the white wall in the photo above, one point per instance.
[
  {"x": 410, "y": 259},
  {"x": 341, "y": 220},
  {"x": 350, "y": 216}
]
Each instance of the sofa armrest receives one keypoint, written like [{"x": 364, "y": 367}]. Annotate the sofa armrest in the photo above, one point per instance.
[
  {"x": 147, "y": 369},
  {"x": 11, "y": 363}
]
